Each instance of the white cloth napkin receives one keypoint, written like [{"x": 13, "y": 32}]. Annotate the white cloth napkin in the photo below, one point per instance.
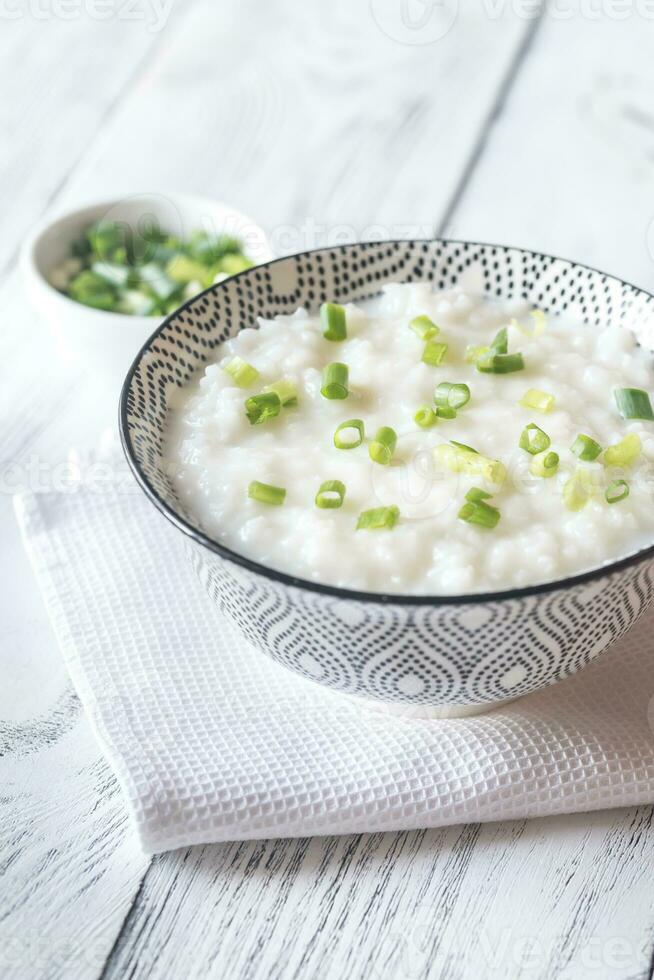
[{"x": 211, "y": 741}]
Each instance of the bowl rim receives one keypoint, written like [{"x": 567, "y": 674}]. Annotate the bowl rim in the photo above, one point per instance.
[
  {"x": 30, "y": 268},
  {"x": 334, "y": 591}
]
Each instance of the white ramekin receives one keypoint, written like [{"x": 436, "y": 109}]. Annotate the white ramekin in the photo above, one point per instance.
[{"x": 103, "y": 342}]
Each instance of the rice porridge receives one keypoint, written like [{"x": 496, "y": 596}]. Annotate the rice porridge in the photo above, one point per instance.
[{"x": 424, "y": 443}]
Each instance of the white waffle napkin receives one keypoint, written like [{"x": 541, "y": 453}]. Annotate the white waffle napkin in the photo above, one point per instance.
[{"x": 211, "y": 741}]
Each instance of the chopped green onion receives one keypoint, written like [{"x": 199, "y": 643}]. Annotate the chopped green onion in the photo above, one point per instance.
[
  {"x": 449, "y": 395},
  {"x": 287, "y": 391},
  {"x": 578, "y": 490},
  {"x": 242, "y": 373},
  {"x": 634, "y": 403},
  {"x": 446, "y": 413},
  {"x": 616, "y": 491},
  {"x": 544, "y": 465},
  {"x": 425, "y": 417},
  {"x": 474, "y": 494},
  {"x": 378, "y": 517},
  {"x": 424, "y": 327},
  {"x": 462, "y": 445},
  {"x": 231, "y": 265},
  {"x": 479, "y": 512},
  {"x": 625, "y": 452},
  {"x": 382, "y": 447},
  {"x": 344, "y": 441},
  {"x": 541, "y": 401},
  {"x": 500, "y": 344},
  {"x": 533, "y": 440},
  {"x": 585, "y": 448},
  {"x": 182, "y": 269},
  {"x": 434, "y": 353},
  {"x": 334, "y": 325},
  {"x": 266, "y": 494},
  {"x": 261, "y": 407},
  {"x": 500, "y": 363},
  {"x": 135, "y": 303},
  {"x": 459, "y": 460},
  {"x": 89, "y": 289},
  {"x": 330, "y": 495},
  {"x": 146, "y": 272},
  {"x": 111, "y": 273},
  {"x": 473, "y": 353},
  {"x": 335, "y": 380}
]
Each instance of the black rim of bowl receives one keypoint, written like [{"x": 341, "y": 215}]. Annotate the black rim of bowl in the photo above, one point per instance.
[{"x": 195, "y": 534}]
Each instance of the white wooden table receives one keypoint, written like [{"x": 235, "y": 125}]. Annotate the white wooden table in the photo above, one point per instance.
[{"x": 322, "y": 121}]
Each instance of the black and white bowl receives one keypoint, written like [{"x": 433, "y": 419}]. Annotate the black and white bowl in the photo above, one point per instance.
[{"x": 454, "y": 654}]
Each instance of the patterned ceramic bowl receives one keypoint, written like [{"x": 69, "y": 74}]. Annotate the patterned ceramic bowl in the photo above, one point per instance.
[{"x": 455, "y": 654}]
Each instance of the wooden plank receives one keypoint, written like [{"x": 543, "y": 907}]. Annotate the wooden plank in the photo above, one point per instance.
[
  {"x": 454, "y": 903},
  {"x": 63, "y": 78},
  {"x": 70, "y": 866},
  {"x": 567, "y": 166},
  {"x": 314, "y": 121}
]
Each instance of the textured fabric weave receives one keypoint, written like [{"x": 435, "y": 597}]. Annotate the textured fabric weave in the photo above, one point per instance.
[{"x": 211, "y": 741}]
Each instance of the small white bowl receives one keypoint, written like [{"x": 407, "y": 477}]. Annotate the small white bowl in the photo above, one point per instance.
[{"x": 108, "y": 342}]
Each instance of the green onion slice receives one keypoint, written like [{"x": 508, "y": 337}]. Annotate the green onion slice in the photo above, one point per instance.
[
  {"x": 625, "y": 452},
  {"x": 475, "y": 494},
  {"x": 585, "y": 448},
  {"x": 434, "y": 353},
  {"x": 540, "y": 401},
  {"x": 334, "y": 324},
  {"x": 500, "y": 344},
  {"x": 335, "y": 380},
  {"x": 500, "y": 363},
  {"x": 266, "y": 494},
  {"x": 449, "y": 395},
  {"x": 533, "y": 440},
  {"x": 616, "y": 491},
  {"x": 634, "y": 403},
  {"x": 473, "y": 353},
  {"x": 242, "y": 373},
  {"x": 544, "y": 465},
  {"x": 349, "y": 434},
  {"x": 425, "y": 417},
  {"x": 446, "y": 413},
  {"x": 260, "y": 408},
  {"x": 378, "y": 517},
  {"x": 287, "y": 391},
  {"x": 424, "y": 327},
  {"x": 479, "y": 512},
  {"x": 462, "y": 445},
  {"x": 382, "y": 447},
  {"x": 458, "y": 460},
  {"x": 330, "y": 495},
  {"x": 578, "y": 490}
]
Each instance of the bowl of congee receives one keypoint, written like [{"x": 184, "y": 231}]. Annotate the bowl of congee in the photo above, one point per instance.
[{"x": 416, "y": 472}]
